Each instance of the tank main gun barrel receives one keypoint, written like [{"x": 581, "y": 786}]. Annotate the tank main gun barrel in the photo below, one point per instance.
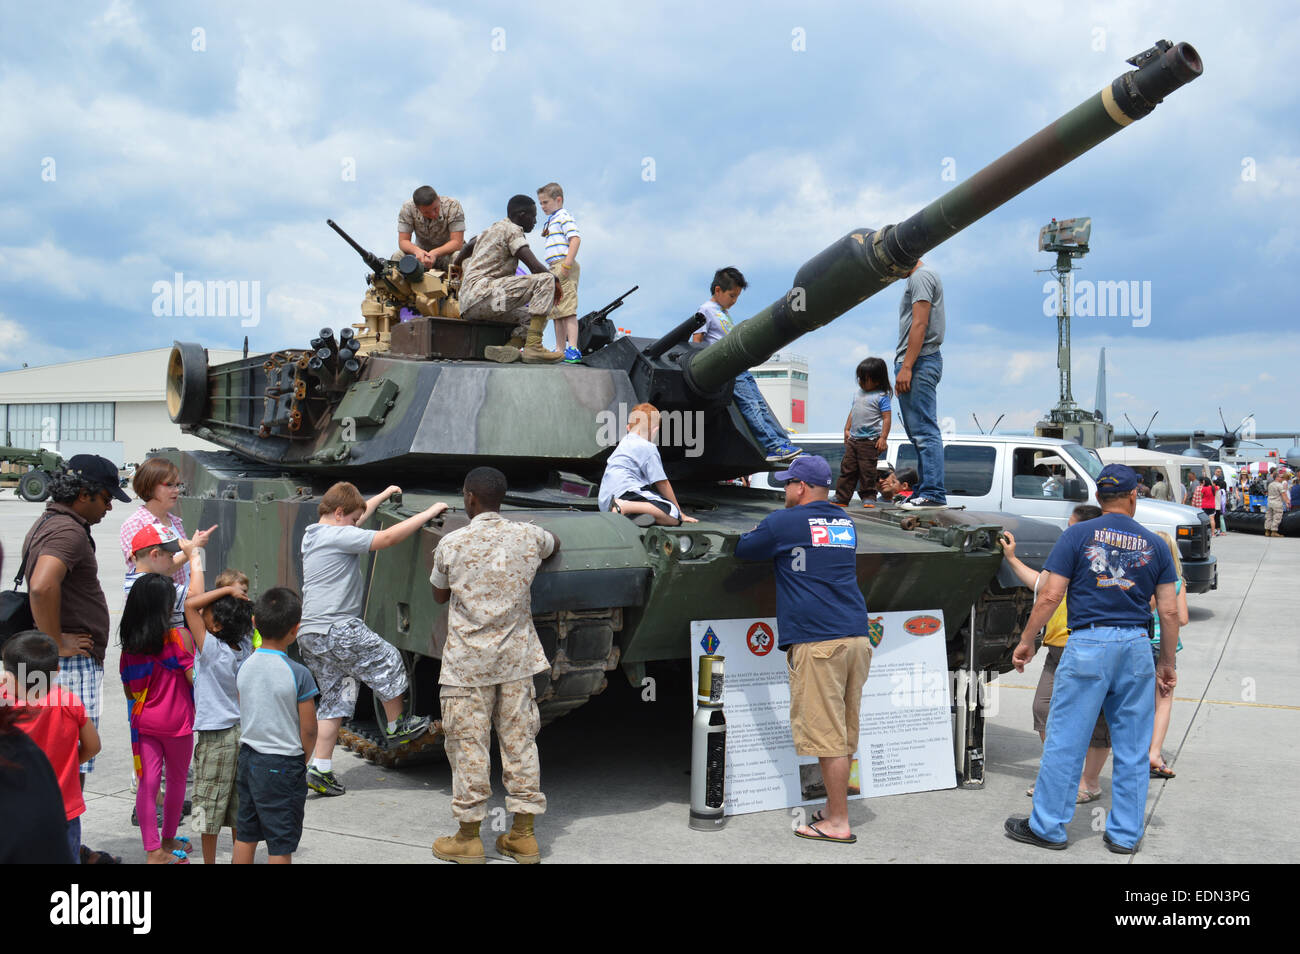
[
  {"x": 863, "y": 262},
  {"x": 373, "y": 261}
]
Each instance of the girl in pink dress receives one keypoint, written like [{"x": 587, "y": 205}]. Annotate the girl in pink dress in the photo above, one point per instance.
[{"x": 158, "y": 676}]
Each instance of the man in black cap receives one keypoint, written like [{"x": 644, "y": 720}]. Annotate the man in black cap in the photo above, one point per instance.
[
  {"x": 1112, "y": 566},
  {"x": 63, "y": 580},
  {"x": 822, "y": 623},
  {"x": 489, "y": 287}
]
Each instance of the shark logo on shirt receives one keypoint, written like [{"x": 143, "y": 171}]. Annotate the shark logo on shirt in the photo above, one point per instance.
[{"x": 835, "y": 532}]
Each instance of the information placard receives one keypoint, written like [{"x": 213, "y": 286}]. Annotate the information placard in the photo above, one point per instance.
[{"x": 905, "y": 739}]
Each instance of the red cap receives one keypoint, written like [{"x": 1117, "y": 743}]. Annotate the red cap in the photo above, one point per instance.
[{"x": 156, "y": 536}]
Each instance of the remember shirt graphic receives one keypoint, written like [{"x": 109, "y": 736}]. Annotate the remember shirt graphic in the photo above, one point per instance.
[
  {"x": 1114, "y": 555},
  {"x": 1114, "y": 565}
]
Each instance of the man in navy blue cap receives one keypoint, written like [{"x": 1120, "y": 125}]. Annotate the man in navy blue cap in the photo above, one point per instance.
[
  {"x": 822, "y": 628},
  {"x": 1112, "y": 566}
]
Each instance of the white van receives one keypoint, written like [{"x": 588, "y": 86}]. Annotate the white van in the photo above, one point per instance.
[{"x": 1039, "y": 477}]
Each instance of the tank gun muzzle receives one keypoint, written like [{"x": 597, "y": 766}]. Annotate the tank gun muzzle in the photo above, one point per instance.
[{"x": 863, "y": 262}]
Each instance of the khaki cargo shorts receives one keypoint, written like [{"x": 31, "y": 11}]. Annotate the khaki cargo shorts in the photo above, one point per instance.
[
  {"x": 216, "y": 797},
  {"x": 568, "y": 304},
  {"x": 826, "y": 680}
]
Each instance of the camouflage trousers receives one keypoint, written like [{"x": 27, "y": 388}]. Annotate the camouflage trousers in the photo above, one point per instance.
[
  {"x": 1273, "y": 517},
  {"x": 516, "y": 298},
  {"x": 468, "y": 716}
]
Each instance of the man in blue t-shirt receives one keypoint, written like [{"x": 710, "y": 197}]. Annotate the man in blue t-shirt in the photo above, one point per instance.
[
  {"x": 1112, "y": 566},
  {"x": 822, "y": 623}
]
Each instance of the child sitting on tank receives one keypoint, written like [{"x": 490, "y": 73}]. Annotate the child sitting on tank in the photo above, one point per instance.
[{"x": 634, "y": 483}]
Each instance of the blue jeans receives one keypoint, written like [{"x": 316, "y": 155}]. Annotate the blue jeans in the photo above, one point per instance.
[
  {"x": 1106, "y": 669},
  {"x": 921, "y": 422},
  {"x": 766, "y": 428}
]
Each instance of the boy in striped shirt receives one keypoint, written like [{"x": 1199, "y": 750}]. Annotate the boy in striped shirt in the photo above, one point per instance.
[{"x": 560, "y": 233}]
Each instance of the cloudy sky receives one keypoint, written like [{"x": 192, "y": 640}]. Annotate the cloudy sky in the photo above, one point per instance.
[{"x": 143, "y": 140}]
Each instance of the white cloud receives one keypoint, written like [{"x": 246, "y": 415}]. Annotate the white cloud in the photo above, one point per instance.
[{"x": 12, "y": 334}]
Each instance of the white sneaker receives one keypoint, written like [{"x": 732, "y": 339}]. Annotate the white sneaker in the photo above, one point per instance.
[{"x": 922, "y": 503}]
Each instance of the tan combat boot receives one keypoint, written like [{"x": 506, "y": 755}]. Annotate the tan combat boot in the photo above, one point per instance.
[
  {"x": 519, "y": 843},
  {"x": 504, "y": 353},
  {"x": 533, "y": 352},
  {"x": 464, "y": 847}
]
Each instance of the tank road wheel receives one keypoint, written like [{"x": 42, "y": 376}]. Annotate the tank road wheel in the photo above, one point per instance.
[
  {"x": 34, "y": 486},
  {"x": 580, "y": 646},
  {"x": 187, "y": 383}
]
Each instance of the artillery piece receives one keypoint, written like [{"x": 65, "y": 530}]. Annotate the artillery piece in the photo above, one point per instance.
[{"x": 427, "y": 411}]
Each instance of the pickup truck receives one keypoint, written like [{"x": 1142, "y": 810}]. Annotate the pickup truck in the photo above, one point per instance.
[{"x": 1039, "y": 477}]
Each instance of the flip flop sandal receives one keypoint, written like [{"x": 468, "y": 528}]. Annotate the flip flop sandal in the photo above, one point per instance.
[
  {"x": 822, "y": 836},
  {"x": 181, "y": 858},
  {"x": 1083, "y": 798},
  {"x": 186, "y": 847},
  {"x": 1162, "y": 771}
]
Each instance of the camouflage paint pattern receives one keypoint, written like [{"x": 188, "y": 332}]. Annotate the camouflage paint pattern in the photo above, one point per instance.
[{"x": 468, "y": 717}]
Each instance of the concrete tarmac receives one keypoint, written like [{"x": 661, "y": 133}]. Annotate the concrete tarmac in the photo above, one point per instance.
[{"x": 616, "y": 771}]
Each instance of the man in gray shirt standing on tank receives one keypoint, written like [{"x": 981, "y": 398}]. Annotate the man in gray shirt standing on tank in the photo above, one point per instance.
[{"x": 917, "y": 370}]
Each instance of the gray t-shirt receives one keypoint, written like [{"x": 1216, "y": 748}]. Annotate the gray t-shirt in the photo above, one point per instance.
[
  {"x": 331, "y": 575},
  {"x": 216, "y": 695},
  {"x": 182, "y": 592},
  {"x": 868, "y": 414},
  {"x": 270, "y": 687},
  {"x": 717, "y": 323},
  {"x": 923, "y": 285},
  {"x": 634, "y": 464}
]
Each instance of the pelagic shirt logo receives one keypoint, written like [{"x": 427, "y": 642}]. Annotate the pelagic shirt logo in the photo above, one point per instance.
[{"x": 832, "y": 532}]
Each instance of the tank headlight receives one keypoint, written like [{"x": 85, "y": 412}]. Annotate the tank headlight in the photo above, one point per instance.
[{"x": 685, "y": 544}]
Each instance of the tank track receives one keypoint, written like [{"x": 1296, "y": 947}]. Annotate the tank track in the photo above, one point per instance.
[
  {"x": 580, "y": 647},
  {"x": 362, "y": 737}
]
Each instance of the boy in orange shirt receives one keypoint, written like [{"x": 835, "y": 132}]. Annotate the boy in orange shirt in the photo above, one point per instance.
[{"x": 54, "y": 719}]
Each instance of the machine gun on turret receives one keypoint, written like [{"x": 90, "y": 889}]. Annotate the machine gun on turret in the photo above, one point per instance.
[
  {"x": 595, "y": 330},
  {"x": 397, "y": 284}
]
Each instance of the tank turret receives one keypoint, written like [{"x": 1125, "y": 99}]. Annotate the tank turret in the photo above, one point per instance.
[{"x": 422, "y": 404}]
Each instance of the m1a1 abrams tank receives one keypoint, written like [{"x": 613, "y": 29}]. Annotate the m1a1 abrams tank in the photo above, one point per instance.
[{"x": 618, "y": 596}]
